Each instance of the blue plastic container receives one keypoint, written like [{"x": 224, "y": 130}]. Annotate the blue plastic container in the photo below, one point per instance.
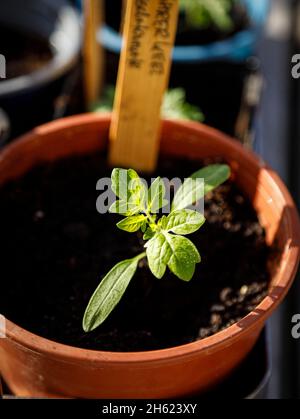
[
  {"x": 213, "y": 75},
  {"x": 236, "y": 48},
  {"x": 30, "y": 100}
]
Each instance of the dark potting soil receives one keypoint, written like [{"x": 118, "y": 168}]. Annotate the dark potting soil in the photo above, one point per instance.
[
  {"x": 55, "y": 248},
  {"x": 24, "y": 52}
]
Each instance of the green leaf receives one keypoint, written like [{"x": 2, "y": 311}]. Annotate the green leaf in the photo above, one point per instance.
[
  {"x": 175, "y": 106},
  {"x": 189, "y": 192},
  {"x": 109, "y": 293},
  {"x": 214, "y": 175},
  {"x": 183, "y": 221},
  {"x": 176, "y": 252},
  {"x": 144, "y": 226},
  {"x": 156, "y": 195},
  {"x": 132, "y": 223},
  {"x": 162, "y": 222},
  {"x": 158, "y": 254},
  {"x": 124, "y": 208},
  {"x": 121, "y": 181},
  {"x": 149, "y": 233},
  {"x": 131, "y": 190},
  {"x": 184, "y": 257},
  {"x": 106, "y": 102},
  {"x": 127, "y": 185},
  {"x": 203, "y": 13},
  {"x": 194, "y": 189}
]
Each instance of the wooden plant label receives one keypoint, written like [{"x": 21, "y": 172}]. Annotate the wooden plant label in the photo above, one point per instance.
[
  {"x": 93, "y": 54},
  {"x": 149, "y": 35}
]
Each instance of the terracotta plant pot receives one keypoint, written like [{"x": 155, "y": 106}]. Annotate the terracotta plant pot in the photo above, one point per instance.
[{"x": 34, "y": 366}]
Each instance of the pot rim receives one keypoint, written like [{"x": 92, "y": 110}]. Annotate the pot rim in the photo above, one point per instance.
[
  {"x": 70, "y": 354},
  {"x": 63, "y": 59}
]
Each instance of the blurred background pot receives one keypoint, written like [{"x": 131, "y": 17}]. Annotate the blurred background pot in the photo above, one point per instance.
[
  {"x": 213, "y": 75},
  {"x": 51, "y": 29}
]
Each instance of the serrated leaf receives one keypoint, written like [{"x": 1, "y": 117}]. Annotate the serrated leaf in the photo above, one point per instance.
[
  {"x": 183, "y": 221},
  {"x": 199, "y": 184},
  {"x": 127, "y": 185},
  {"x": 144, "y": 226},
  {"x": 156, "y": 195},
  {"x": 162, "y": 221},
  {"x": 189, "y": 192},
  {"x": 149, "y": 233},
  {"x": 132, "y": 223},
  {"x": 176, "y": 252},
  {"x": 175, "y": 106},
  {"x": 124, "y": 208},
  {"x": 184, "y": 257},
  {"x": 109, "y": 293},
  {"x": 158, "y": 254},
  {"x": 120, "y": 182},
  {"x": 203, "y": 13}
]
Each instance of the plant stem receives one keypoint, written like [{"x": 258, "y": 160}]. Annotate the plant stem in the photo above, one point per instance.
[
  {"x": 141, "y": 256},
  {"x": 150, "y": 218}
]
